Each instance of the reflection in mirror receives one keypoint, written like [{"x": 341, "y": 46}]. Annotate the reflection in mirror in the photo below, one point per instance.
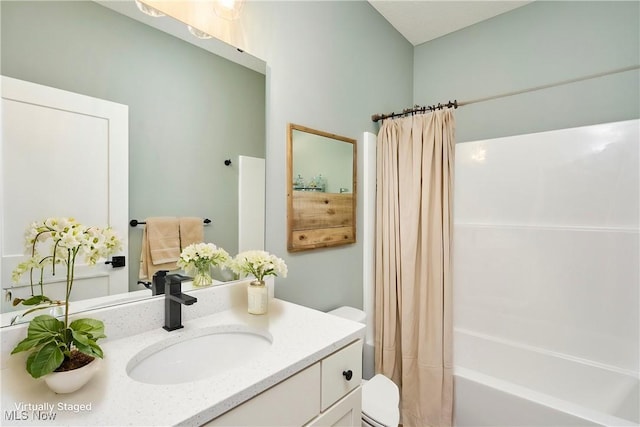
[
  {"x": 189, "y": 111},
  {"x": 321, "y": 189}
]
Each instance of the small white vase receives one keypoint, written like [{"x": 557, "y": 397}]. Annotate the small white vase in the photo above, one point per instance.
[
  {"x": 257, "y": 297},
  {"x": 70, "y": 381}
]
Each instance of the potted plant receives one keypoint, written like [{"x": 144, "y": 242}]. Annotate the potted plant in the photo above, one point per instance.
[
  {"x": 258, "y": 264},
  {"x": 198, "y": 258},
  {"x": 60, "y": 346}
]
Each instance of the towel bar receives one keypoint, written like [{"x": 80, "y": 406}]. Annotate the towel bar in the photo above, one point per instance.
[{"x": 135, "y": 222}]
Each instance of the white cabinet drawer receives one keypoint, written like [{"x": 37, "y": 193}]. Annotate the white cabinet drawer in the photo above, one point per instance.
[
  {"x": 334, "y": 373},
  {"x": 293, "y": 402},
  {"x": 346, "y": 413}
]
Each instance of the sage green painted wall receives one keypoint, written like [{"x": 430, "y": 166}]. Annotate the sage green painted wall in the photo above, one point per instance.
[
  {"x": 330, "y": 66},
  {"x": 189, "y": 110},
  {"x": 541, "y": 43}
]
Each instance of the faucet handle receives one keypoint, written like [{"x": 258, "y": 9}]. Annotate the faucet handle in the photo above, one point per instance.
[
  {"x": 180, "y": 277},
  {"x": 174, "y": 282},
  {"x": 160, "y": 273},
  {"x": 145, "y": 284},
  {"x": 158, "y": 282}
]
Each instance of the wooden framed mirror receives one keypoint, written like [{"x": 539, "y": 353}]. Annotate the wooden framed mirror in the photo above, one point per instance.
[{"x": 321, "y": 189}]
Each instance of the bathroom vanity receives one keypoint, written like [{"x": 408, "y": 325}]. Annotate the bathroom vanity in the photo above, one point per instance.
[
  {"x": 306, "y": 372},
  {"x": 320, "y": 395}
]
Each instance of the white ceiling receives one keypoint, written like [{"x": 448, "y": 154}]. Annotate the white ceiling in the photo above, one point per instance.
[{"x": 421, "y": 21}]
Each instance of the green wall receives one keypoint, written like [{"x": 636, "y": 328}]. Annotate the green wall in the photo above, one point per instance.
[
  {"x": 189, "y": 110},
  {"x": 541, "y": 43},
  {"x": 330, "y": 66}
]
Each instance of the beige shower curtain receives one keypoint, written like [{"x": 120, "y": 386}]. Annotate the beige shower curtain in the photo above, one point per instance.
[{"x": 415, "y": 160}]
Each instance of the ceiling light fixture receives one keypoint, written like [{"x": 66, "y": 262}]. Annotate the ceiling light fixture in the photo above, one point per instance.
[
  {"x": 198, "y": 33},
  {"x": 228, "y": 9},
  {"x": 148, "y": 10}
]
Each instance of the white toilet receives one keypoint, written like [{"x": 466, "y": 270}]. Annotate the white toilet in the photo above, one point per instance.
[{"x": 380, "y": 396}]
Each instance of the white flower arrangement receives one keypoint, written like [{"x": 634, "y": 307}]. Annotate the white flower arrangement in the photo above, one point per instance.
[
  {"x": 53, "y": 342},
  {"x": 68, "y": 238},
  {"x": 259, "y": 264},
  {"x": 202, "y": 256}
]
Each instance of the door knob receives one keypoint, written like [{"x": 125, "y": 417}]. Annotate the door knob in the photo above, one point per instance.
[{"x": 116, "y": 261}]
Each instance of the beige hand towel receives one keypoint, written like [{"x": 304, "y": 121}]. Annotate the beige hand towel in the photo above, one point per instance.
[
  {"x": 160, "y": 246},
  {"x": 191, "y": 231}
]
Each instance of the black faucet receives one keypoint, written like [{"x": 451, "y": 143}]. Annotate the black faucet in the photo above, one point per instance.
[
  {"x": 173, "y": 300},
  {"x": 158, "y": 281}
]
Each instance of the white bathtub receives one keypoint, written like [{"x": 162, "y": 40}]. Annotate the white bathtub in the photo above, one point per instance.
[{"x": 501, "y": 383}]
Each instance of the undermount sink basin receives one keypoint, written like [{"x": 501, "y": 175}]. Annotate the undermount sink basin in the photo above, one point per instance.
[{"x": 198, "y": 354}]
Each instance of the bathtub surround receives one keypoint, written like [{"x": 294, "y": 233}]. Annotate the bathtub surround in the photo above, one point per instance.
[
  {"x": 413, "y": 263},
  {"x": 368, "y": 186},
  {"x": 495, "y": 391},
  {"x": 547, "y": 286}
]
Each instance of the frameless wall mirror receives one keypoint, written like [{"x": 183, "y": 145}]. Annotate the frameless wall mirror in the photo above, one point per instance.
[
  {"x": 204, "y": 100},
  {"x": 321, "y": 189}
]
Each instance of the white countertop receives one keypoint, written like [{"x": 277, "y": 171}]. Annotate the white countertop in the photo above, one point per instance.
[{"x": 301, "y": 337}]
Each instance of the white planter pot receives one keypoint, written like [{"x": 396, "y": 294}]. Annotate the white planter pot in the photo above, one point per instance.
[{"x": 70, "y": 381}]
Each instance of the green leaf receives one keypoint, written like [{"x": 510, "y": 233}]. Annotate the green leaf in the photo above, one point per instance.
[
  {"x": 80, "y": 337},
  {"x": 97, "y": 351},
  {"x": 90, "y": 348},
  {"x": 44, "y": 326},
  {"x": 42, "y": 307},
  {"x": 43, "y": 329},
  {"x": 91, "y": 327},
  {"x": 46, "y": 360},
  {"x": 30, "y": 359},
  {"x": 25, "y": 344},
  {"x": 35, "y": 300},
  {"x": 85, "y": 334}
]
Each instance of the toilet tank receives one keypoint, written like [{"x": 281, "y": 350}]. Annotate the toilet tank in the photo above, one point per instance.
[{"x": 350, "y": 313}]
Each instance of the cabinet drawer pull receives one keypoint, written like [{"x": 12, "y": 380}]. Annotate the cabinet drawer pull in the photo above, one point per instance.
[{"x": 348, "y": 374}]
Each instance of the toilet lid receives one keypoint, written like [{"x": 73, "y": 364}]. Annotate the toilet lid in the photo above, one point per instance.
[
  {"x": 350, "y": 313},
  {"x": 380, "y": 399}
]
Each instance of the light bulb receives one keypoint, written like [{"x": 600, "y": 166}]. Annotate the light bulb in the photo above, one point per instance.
[
  {"x": 198, "y": 33},
  {"x": 148, "y": 10},
  {"x": 228, "y": 9},
  {"x": 227, "y": 4}
]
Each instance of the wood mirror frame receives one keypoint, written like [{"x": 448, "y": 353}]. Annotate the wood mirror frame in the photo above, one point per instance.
[{"x": 321, "y": 212}]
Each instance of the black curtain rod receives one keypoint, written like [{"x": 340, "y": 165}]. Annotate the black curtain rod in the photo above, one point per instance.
[
  {"x": 416, "y": 109},
  {"x": 135, "y": 222}
]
